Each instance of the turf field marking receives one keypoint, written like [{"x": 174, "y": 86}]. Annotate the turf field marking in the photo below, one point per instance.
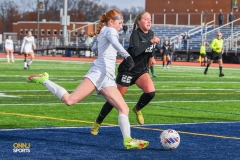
[
  {"x": 84, "y": 103},
  {"x": 9, "y": 96}
]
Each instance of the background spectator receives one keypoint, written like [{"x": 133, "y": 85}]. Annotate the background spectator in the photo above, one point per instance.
[
  {"x": 220, "y": 19},
  {"x": 231, "y": 18}
]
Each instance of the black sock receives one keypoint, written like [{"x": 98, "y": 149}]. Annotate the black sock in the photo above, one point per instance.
[
  {"x": 163, "y": 63},
  {"x": 168, "y": 63},
  {"x": 152, "y": 70},
  {"x": 144, "y": 100},
  {"x": 220, "y": 68},
  {"x": 106, "y": 109}
]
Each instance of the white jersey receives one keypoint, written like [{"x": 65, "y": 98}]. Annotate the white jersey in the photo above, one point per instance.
[
  {"x": 107, "y": 46},
  {"x": 8, "y": 44},
  {"x": 27, "y": 44}
]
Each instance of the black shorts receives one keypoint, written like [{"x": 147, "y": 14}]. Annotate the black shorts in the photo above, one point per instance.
[
  {"x": 203, "y": 55},
  {"x": 216, "y": 56},
  {"x": 166, "y": 54},
  {"x": 127, "y": 79}
]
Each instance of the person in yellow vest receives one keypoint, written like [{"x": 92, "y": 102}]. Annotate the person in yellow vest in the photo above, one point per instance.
[
  {"x": 203, "y": 54},
  {"x": 217, "y": 51}
]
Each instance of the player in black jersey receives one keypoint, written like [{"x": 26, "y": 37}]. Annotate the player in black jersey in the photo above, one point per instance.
[
  {"x": 141, "y": 45},
  {"x": 166, "y": 49}
]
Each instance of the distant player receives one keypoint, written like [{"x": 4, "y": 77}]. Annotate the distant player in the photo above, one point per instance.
[
  {"x": 217, "y": 51},
  {"x": 203, "y": 54},
  {"x": 141, "y": 45},
  {"x": 166, "y": 49},
  {"x": 9, "y": 48},
  {"x": 28, "y": 45}
]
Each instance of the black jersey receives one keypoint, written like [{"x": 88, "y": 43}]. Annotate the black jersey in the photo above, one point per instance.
[
  {"x": 166, "y": 49},
  {"x": 141, "y": 49}
]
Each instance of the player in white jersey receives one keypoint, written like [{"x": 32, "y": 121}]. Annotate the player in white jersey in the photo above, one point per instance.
[
  {"x": 9, "y": 48},
  {"x": 101, "y": 75},
  {"x": 28, "y": 45}
]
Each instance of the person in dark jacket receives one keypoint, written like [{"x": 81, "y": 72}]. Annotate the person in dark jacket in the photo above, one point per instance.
[
  {"x": 231, "y": 18},
  {"x": 220, "y": 19}
]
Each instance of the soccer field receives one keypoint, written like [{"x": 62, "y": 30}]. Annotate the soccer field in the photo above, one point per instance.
[{"x": 201, "y": 107}]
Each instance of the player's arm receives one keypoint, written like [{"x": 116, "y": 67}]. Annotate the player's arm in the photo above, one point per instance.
[
  {"x": 5, "y": 44},
  {"x": 212, "y": 45},
  {"x": 33, "y": 43},
  {"x": 136, "y": 47},
  {"x": 23, "y": 44}
]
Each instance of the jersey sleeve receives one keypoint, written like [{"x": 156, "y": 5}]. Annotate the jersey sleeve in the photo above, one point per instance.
[
  {"x": 136, "y": 47},
  {"x": 212, "y": 45},
  {"x": 94, "y": 48},
  {"x": 112, "y": 36},
  {"x": 5, "y": 43},
  {"x": 33, "y": 41}
]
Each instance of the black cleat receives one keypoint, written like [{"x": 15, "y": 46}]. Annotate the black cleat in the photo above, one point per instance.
[
  {"x": 205, "y": 72},
  {"x": 28, "y": 66},
  {"x": 221, "y": 75},
  {"x": 24, "y": 68}
]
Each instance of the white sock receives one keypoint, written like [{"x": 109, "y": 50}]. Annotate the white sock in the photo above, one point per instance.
[
  {"x": 30, "y": 62},
  {"x": 12, "y": 58},
  {"x": 25, "y": 64},
  {"x": 124, "y": 125},
  {"x": 54, "y": 88},
  {"x": 7, "y": 58}
]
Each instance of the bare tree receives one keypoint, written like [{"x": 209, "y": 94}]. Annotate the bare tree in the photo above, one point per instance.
[{"x": 6, "y": 6}]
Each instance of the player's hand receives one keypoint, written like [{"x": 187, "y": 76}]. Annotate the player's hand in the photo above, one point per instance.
[
  {"x": 130, "y": 63},
  {"x": 151, "y": 62},
  {"x": 155, "y": 40}
]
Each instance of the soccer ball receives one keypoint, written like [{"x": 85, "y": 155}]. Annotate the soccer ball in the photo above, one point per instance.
[{"x": 169, "y": 139}]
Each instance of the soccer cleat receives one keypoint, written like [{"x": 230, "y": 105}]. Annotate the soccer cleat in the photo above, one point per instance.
[
  {"x": 167, "y": 67},
  {"x": 205, "y": 71},
  {"x": 154, "y": 75},
  {"x": 24, "y": 68},
  {"x": 221, "y": 75},
  {"x": 130, "y": 143},
  {"x": 38, "y": 78},
  {"x": 28, "y": 66},
  {"x": 139, "y": 116},
  {"x": 95, "y": 128}
]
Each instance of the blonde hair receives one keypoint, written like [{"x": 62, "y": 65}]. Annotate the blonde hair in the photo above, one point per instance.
[
  {"x": 137, "y": 18},
  {"x": 105, "y": 17}
]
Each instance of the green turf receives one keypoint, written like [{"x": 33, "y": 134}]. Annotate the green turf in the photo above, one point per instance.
[{"x": 183, "y": 94}]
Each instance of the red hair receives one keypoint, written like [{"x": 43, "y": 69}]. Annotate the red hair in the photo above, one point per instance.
[{"x": 105, "y": 17}]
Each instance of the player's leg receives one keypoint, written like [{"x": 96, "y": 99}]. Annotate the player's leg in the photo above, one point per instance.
[
  {"x": 12, "y": 55},
  {"x": 106, "y": 109},
  {"x": 83, "y": 89},
  {"x": 220, "y": 67},
  {"x": 168, "y": 60},
  {"x": 115, "y": 98},
  {"x": 25, "y": 60},
  {"x": 7, "y": 55},
  {"x": 164, "y": 61},
  {"x": 31, "y": 56},
  {"x": 212, "y": 57},
  {"x": 146, "y": 84}
]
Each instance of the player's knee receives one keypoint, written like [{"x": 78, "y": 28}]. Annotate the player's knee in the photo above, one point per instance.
[{"x": 150, "y": 95}]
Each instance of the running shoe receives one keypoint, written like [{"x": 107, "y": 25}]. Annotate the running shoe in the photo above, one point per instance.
[
  {"x": 28, "y": 66},
  {"x": 38, "y": 78},
  {"x": 95, "y": 128},
  {"x": 221, "y": 75},
  {"x": 130, "y": 143},
  {"x": 139, "y": 115},
  {"x": 154, "y": 75}
]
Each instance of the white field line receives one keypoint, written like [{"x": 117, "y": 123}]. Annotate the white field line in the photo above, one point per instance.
[
  {"x": 87, "y": 103},
  {"x": 145, "y": 125}
]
